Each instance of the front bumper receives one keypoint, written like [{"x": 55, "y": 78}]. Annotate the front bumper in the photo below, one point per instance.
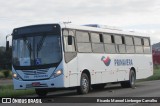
[{"x": 57, "y": 82}]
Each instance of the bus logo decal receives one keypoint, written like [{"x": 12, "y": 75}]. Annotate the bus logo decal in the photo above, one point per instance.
[
  {"x": 123, "y": 62},
  {"x": 106, "y": 61}
]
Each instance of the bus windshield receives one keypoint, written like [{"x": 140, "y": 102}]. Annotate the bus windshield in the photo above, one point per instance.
[{"x": 36, "y": 50}]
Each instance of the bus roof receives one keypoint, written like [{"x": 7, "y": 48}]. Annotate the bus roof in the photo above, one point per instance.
[
  {"x": 112, "y": 30},
  {"x": 103, "y": 30}
]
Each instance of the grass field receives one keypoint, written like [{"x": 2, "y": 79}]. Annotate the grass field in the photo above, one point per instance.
[
  {"x": 7, "y": 91},
  {"x": 156, "y": 75}
]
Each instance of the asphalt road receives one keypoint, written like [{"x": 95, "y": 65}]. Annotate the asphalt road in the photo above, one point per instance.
[
  {"x": 5, "y": 81},
  {"x": 143, "y": 89}
]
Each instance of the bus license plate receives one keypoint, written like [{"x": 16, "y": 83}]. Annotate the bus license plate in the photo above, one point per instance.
[{"x": 36, "y": 84}]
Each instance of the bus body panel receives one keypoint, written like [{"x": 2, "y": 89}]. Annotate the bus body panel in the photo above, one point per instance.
[
  {"x": 103, "y": 68},
  {"x": 100, "y": 73},
  {"x": 73, "y": 72}
]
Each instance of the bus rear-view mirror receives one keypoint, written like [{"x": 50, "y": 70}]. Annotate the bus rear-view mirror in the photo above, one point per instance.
[{"x": 7, "y": 45}]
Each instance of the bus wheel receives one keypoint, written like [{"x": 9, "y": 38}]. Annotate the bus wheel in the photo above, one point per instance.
[
  {"x": 84, "y": 84},
  {"x": 41, "y": 92},
  {"x": 131, "y": 82}
]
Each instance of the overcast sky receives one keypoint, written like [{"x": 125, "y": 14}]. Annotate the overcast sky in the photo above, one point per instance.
[{"x": 138, "y": 15}]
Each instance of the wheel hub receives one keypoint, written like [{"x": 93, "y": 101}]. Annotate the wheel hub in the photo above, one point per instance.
[{"x": 84, "y": 83}]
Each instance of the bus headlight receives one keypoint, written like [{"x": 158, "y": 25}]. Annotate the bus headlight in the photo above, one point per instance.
[
  {"x": 57, "y": 73},
  {"x": 15, "y": 76}
]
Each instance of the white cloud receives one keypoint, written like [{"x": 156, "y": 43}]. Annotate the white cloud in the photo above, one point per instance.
[{"x": 136, "y": 14}]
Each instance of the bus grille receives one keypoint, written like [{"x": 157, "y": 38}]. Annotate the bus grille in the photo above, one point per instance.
[{"x": 35, "y": 72}]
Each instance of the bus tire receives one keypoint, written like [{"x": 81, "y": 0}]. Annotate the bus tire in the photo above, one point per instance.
[
  {"x": 41, "y": 92},
  {"x": 84, "y": 84},
  {"x": 131, "y": 82}
]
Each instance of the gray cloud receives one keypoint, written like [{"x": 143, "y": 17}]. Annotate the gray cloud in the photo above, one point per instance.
[
  {"x": 125, "y": 13},
  {"x": 45, "y": 8}
]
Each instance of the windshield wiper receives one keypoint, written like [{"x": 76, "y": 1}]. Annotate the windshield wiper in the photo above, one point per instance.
[
  {"x": 28, "y": 45},
  {"x": 39, "y": 45}
]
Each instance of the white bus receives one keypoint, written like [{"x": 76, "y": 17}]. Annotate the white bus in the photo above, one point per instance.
[{"x": 82, "y": 57}]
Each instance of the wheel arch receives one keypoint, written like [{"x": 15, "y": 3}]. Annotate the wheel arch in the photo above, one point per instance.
[{"x": 86, "y": 71}]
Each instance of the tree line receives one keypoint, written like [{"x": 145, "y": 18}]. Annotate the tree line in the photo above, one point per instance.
[{"x": 5, "y": 58}]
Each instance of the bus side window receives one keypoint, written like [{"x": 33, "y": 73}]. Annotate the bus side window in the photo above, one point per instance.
[
  {"x": 97, "y": 43},
  {"x": 146, "y": 47},
  {"x": 146, "y": 42},
  {"x": 118, "y": 39},
  {"x": 69, "y": 45},
  {"x": 129, "y": 44},
  {"x": 109, "y": 45},
  {"x": 69, "y": 41},
  {"x": 121, "y": 47},
  {"x": 138, "y": 45},
  {"x": 83, "y": 42}
]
